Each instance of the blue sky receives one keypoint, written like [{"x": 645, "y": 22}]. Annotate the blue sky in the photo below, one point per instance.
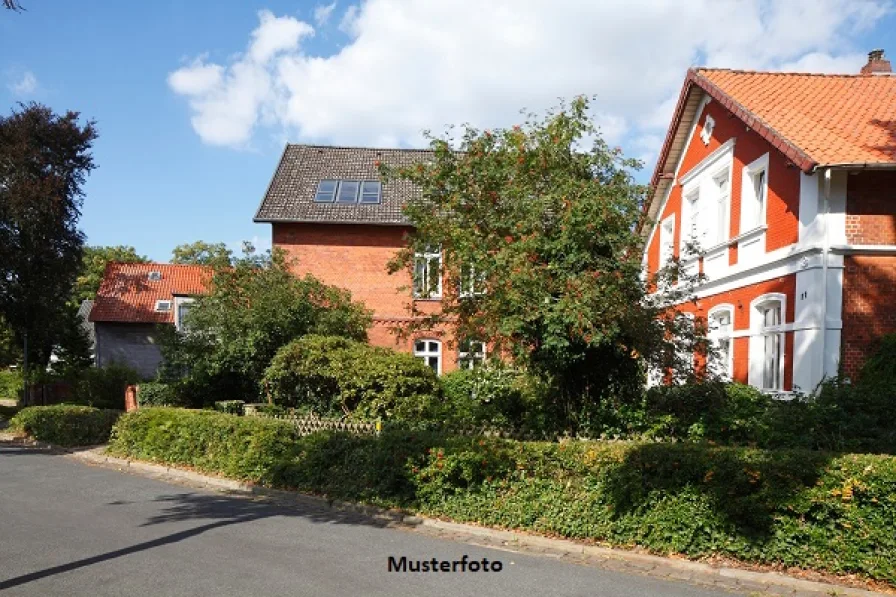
[{"x": 194, "y": 100}]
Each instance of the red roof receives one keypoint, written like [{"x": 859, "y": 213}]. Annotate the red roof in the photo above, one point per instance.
[{"x": 128, "y": 293}]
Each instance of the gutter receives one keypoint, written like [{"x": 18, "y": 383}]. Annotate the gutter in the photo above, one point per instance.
[{"x": 825, "y": 252}]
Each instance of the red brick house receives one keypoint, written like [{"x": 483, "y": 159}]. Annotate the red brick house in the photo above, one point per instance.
[
  {"x": 133, "y": 300},
  {"x": 331, "y": 214},
  {"x": 788, "y": 183}
]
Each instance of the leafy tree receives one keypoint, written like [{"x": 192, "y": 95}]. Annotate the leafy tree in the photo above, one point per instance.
[
  {"x": 44, "y": 160},
  {"x": 13, "y": 5},
  {"x": 541, "y": 257},
  {"x": 93, "y": 265},
  {"x": 202, "y": 253},
  {"x": 253, "y": 308},
  {"x": 10, "y": 351}
]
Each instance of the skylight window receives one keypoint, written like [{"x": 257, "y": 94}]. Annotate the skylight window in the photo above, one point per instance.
[
  {"x": 163, "y": 306},
  {"x": 155, "y": 276},
  {"x": 349, "y": 192}
]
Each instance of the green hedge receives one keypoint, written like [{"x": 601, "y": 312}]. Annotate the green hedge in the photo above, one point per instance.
[
  {"x": 808, "y": 509},
  {"x": 11, "y": 385},
  {"x": 66, "y": 425}
]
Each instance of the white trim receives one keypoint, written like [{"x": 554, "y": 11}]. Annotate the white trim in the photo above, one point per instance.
[
  {"x": 704, "y": 101},
  {"x": 178, "y": 301},
  {"x": 851, "y": 249},
  {"x": 426, "y": 353},
  {"x": 167, "y": 303},
  {"x": 749, "y": 219},
  {"x": 427, "y": 256},
  {"x": 709, "y": 161},
  {"x": 755, "y": 370},
  {"x": 666, "y": 256},
  {"x": 473, "y": 355},
  {"x": 709, "y": 126},
  {"x": 726, "y": 308}
]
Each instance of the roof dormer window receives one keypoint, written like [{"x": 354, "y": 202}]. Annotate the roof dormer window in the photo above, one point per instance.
[
  {"x": 163, "y": 306},
  {"x": 155, "y": 276},
  {"x": 349, "y": 192}
]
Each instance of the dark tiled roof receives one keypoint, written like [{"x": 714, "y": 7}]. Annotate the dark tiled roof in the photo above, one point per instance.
[{"x": 290, "y": 196}]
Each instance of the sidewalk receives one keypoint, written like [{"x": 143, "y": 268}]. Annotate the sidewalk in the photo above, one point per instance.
[{"x": 715, "y": 576}]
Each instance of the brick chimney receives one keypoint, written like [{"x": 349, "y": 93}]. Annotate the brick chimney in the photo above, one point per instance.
[{"x": 877, "y": 64}]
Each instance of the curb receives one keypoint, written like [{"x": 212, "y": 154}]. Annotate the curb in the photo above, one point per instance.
[{"x": 724, "y": 577}]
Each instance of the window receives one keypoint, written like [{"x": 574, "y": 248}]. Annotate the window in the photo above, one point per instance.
[
  {"x": 667, "y": 240},
  {"x": 371, "y": 191},
  {"x": 692, "y": 209},
  {"x": 183, "y": 305},
  {"x": 326, "y": 191},
  {"x": 772, "y": 345},
  {"x": 720, "y": 329},
  {"x": 471, "y": 354},
  {"x": 759, "y": 192},
  {"x": 472, "y": 283},
  {"x": 163, "y": 306},
  {"x": 349, "y": 191},
  {"x": 427, "y": 273},
  {"x": 708, "y": 126},
  {"x": 754, "y": 197},
  {"x": 430, "y": 352},
  {"x": 155, "y": 276},
  {"x": 720, "y": 182}
]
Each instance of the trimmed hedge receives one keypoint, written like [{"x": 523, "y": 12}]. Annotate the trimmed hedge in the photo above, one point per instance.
[
  {"x": 66, "y": 425},
  {"x": 808, "y": 509},
  {"x": 11, "y": 385}
]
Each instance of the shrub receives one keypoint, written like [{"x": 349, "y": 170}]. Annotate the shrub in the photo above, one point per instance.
[
  {"x": 11, "y": 385},
  {"x": 333, "y": 376},
  {"x": 103, "y": 387},
  {"x": 247, "y": 448},
  {"x": 789, "y": 508},
  {"x": 231, "y": 407},
  {"x": 153, "y": 393},
  {"x": 491, "y": 395},
  {"x": 66, "y": 425}
]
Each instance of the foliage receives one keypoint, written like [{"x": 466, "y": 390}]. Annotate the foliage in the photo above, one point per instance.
[
  {"x": 10, "y": 351},
  {"x": 334, "y": 376},
  {"x": 539, "y": 222},
  {"x": 252, "y": 310},
  {"x": 44, "y": 161},
  {"x": 830, "y": 512},
  {"x": 66, "y": 425},
  {"x": 103, "y": 387},
  {"x": 202, "y": 253},
  {"x": 154, "y": 393},
  {"x": 93, "y": 267},
  {"x": 231, "y": 407},
  {"x": 492, "y": 395},
  {"x": 247, "y": 448},
  {"x": 11, "y": 384},
  {"x": 72, "y": 351}
]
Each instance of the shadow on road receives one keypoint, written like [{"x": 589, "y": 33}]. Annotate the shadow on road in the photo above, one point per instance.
[{"x": 217, "y": 510}]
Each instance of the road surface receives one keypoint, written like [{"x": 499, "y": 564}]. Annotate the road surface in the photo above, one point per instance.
[{"x": 67, "y": 528}]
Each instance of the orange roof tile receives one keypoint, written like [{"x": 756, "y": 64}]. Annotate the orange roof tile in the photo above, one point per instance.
[
  {"x": 127, "y": 294},
  {"x": 831, "y": 119}
]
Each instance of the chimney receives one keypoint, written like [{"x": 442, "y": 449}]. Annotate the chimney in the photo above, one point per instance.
[{"x": 877, "y": 64}]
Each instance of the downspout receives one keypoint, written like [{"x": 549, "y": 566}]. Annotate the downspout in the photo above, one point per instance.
[{"x": 825, "y": 250}]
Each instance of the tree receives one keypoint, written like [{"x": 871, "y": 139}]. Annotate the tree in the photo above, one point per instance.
[
  {"x": 13, "y": 5},
  {"x": 254, "y": 308},
  {"x": 93, "y": 266},
  {"x": 202, "y": 253},
  {"x": 44, "y": 160},
  {"x": 541, "y": 258}
]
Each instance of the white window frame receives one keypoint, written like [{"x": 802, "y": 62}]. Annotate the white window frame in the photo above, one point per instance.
[
  {"x": 471, "y": 284},
  {"x": 688, "y": 358},
  {"x": 426, "y": 258},
  {"x": 690, "y": 224},
  {"x": 722, "y": 207},
  {"x": 753, "y": 205},
  {"x": 470, "y": 359},
  {"x": 716, "y": 335},
  {"x": 760, "y": 333},
  {"x": 164, "y": 306},
  {"x": 427, "y": 353},
  {"x": 709, "y": 126},
  {"x": 178, "y": 302},
  {"x": 667, "y": 240}
]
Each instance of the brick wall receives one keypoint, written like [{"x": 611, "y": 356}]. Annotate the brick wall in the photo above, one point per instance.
[
  {"x": 871, "y": 208},
  {"x": 355, "y": 257},
  {"x": 869, "y": 296},
  {"x": 131, "y": 344}
]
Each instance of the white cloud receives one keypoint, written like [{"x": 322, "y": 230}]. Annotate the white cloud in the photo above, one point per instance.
[
  {"x": 322, "y": 13},
  {"x": 411, "y": 65},
  {"x": 24, "y": 86}
]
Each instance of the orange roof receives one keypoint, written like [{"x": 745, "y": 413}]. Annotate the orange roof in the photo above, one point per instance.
[
  {"x": 833, "y": 119},
  {"x": 128, "y": 294}
]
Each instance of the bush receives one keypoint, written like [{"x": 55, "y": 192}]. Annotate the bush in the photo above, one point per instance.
[
  {"x": 103, "y": 387},
  {"x": 66, "y": 425},
  {"x": 11, "y": 385},
  {"x": 247, "y": 448},
  {"x": 333, "y": 376},
  {"x": 491, "y": 395},
  {"x": 231, "y": 407},
  {"x": 155, "y": 393},
  {"x": 808, "y": 509}
]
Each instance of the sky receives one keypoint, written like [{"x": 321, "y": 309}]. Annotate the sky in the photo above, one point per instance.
[{"x": 194, "y": 101}]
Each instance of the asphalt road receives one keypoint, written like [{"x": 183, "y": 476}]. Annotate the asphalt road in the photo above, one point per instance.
[{"x": 67, "y": 528}]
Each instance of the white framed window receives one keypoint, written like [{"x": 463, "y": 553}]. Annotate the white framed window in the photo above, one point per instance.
[
  {"x": 471, "y": 354},
  {"x": 708, "y": 126},
  {"x": 720, "y": 224},
  {"x": 767, "y": 342},
  {"x": 667, "y": 240},
  {"x": 349, "y": 191},
  {"x": 430, "y": 352},
  {"x": 684, "y": 367},
  {"x": 754, "y": 194},
  {"x": 428, "y": 273},
  {"x": 182, "y": 307},
  {"x": 163, "y": 306},
  {"x": 721, "y": 328},
  {"x": 472, "y": 282},
  {"x": 691, "y": 231},
  {"x": 154, "y": 276}
]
